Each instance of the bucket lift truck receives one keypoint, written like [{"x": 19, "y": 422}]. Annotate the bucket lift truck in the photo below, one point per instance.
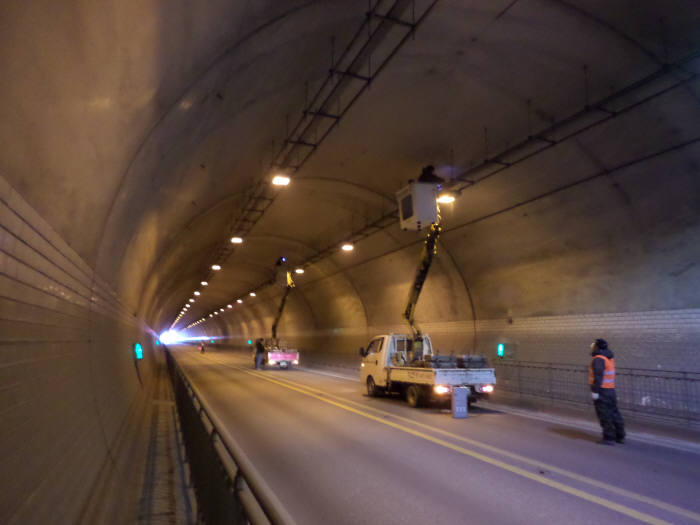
[
  {"x": 405, "y": 363},
  {"x": 276, "y": 352}
]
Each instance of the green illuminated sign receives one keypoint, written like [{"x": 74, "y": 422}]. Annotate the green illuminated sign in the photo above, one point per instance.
[
  {"x": 212, "y": 341},
  {"x": 250, "y": 341},
  {"x": 501, "y": 350},
  {"x": 157, "y": 342},
  {"x": 138, "y": 350}
]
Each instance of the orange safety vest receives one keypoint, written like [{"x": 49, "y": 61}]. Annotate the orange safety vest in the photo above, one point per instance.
[{"x": 608, "y": 373}]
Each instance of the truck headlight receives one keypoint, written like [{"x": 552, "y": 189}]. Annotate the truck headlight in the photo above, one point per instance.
[
  {"x": 441, "y": 389},
  {"x": 295, "y": 362},
  {"x": 487, "y": 389}
]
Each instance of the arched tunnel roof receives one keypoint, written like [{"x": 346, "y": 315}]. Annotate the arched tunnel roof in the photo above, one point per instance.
[{"x": 140, "y": 132}]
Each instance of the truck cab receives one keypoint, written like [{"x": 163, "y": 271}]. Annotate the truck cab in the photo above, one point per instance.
[{"x": 391, "y": 350}]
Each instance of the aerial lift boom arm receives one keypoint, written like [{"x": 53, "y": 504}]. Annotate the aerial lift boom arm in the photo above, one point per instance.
[
  {"x": 429, "y": 250},
  {"x": 290, "y": 285}
]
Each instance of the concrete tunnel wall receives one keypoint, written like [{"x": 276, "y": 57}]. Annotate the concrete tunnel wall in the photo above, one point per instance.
[{"x": 131, "y": 133}]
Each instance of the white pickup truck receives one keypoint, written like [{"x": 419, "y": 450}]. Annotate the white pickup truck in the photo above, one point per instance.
[{"x": 398, "y": 363}]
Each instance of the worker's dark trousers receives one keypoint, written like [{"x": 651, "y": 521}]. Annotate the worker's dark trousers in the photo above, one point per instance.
[
  {"x": 258, "y": 360},
  {"x": 609, "y": 416}
]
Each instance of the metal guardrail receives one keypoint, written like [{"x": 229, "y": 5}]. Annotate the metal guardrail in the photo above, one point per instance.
[
  {"x": 666, "y": 396},
  {"x": 228, "y": 487}
]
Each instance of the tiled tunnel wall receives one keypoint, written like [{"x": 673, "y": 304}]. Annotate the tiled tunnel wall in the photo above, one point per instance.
[{"x": 68, "y": 374}]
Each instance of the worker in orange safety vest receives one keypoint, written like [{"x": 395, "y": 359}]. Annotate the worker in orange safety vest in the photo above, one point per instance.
[{"x": 601, "y": 377}]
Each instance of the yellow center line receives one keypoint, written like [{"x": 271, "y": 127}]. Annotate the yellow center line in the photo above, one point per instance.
[
  {"x": 563, "y": 472},
  {"x": 623, "y": 509}
]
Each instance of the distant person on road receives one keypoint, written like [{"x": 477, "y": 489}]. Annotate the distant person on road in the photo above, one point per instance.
[
  {"x": 201, "y": 347},
  {"x": 602, "y": 380},
  {"x": 259, "y": 353}
]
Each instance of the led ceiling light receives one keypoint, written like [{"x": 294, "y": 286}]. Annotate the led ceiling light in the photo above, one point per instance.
[
  {"x": 239, "y": 301},
  {"x": 204, "y": 283},
  {"x": 252, "y": 294},
  {"x": 280, "y": 180},
  {"x": 215, "y": 267},
  {"x": 191, "y": 300},
  {"x": 197, "y": 292},
  {"x": 229, "y": 306},
  {"x": 221, "y": 309},
  {"x": 236, "y": 240},
  {"x": 347, "y": 247},
  {"x": 299, "y": 271}
]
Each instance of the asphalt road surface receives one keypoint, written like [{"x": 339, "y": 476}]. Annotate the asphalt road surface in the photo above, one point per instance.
[{"x": 335, "y": 456}]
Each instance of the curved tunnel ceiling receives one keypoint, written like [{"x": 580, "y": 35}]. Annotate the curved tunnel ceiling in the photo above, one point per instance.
[{"x": 154, "y": 136}]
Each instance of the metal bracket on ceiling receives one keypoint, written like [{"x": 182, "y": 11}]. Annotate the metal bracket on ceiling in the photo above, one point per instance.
[{"x": 350, "y": 74}]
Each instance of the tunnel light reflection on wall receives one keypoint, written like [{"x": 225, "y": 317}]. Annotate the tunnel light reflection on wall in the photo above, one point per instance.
[
  {"x": 236, "y": 240},
  {"x": 280, "y": 180},
  {"x": 347, "y": 247},
  {"x": 215, "y": 267},
  {"x": 299, "y": 271}
]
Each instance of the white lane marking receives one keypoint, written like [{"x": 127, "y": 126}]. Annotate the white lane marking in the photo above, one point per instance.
[
  {"x": 315, "y": 371},
  {"x": 643, "y": 437}
]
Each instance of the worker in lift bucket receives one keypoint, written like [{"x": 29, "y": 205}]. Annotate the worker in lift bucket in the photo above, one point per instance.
[
  {"x": 259, "y": 353},
  {"x": 601, "y": 377}
]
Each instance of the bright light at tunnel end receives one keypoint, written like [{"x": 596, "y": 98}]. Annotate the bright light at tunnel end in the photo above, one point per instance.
[{"x": 171, "y": 337}]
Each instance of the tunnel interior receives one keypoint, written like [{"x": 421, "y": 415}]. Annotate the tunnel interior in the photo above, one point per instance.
[{"x": 137, "y": 138}]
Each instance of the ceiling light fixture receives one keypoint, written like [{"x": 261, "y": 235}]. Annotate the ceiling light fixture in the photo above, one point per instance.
[
  {"x": 252, "y": 294},
  {"x": 446, "y": 198},
  {"x": 347, "y": 247},
  {"x": 280, "y": 180},
  {"x": 191, "y": 300},
  {"x": 204, "y": 283},
  {"x": 236, "y": 240},
  {"x": 239, "y": 301},
  {"x": 299, "y": 271},
  {"x": 215, "y": 267},
  {"x": 197, "y": 292},
  {"x": 229, "y": 306}
]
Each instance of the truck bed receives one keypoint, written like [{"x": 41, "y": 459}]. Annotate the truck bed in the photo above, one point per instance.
[{"x": 441, "y": 376}]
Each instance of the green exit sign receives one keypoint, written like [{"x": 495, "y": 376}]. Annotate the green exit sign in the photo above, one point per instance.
[
  {"x": 501, "y": 350},
  {"x": 138, "y": 350}
]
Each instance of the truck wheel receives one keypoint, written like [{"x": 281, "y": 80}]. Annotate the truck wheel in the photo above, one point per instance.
[
  {"x": 414, "y": 396},
  {"x": 372, "y": 389}
]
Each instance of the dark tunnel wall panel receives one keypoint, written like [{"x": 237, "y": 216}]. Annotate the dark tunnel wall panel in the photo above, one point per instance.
[{"x": 67, "y": 372}]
